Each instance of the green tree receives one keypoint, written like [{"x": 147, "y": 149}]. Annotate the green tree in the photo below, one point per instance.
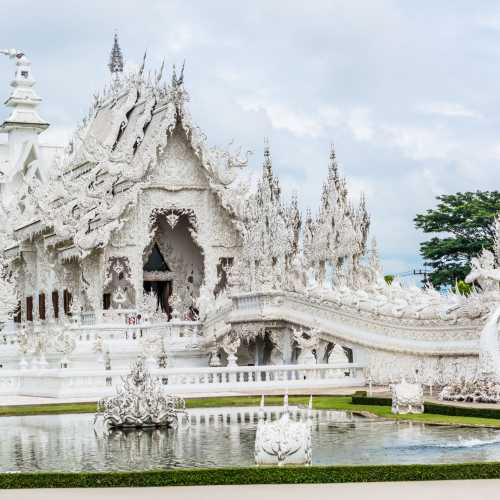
[
  {"x": 463, "y": 288},
  {"x": 465, "y": 224}
]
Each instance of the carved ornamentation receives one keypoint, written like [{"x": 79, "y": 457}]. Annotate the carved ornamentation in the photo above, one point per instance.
[
  {"x": 283, "y": 442},
  {"x": 140, "y": 402},
  {"x": 407, "y": 398}
]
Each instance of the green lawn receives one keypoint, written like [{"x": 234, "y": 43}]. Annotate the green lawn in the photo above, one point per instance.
[{"x": 320, "y": 402}]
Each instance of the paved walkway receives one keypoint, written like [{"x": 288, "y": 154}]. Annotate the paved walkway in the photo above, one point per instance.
[{"x": 429, "y": 490}]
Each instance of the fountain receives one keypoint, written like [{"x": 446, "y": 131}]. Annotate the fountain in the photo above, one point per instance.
[
  {"x": 284, "y": 441},
  {"x": 140, "y": 402}
]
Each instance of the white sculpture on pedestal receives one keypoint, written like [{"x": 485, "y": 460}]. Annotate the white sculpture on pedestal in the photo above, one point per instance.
[
  {"x": 407, "y": 398},
  {"x": 214, "y": 358},
  {"x": 489, "y": 348},
  {"x": 486, "y": 387},
  {"x": 230, "y": 344},
  {"x": 140, "y": 402},
  {"x": 283, "y": 442}
]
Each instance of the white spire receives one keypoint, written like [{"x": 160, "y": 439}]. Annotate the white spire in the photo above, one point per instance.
[
  {"x": 23, "y": 99},
  {"x": 116, "y": 60}
]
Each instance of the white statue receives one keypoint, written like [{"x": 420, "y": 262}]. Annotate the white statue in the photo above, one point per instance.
[
  {"x": 230, "y": 344},
  {"x": 486, "y": 386},
  {"x": 407, "y": 398},
  {"x": 489, "y": 348},
  {"x": 140, "y": 402},
  {"x": 214, "y": 358},
  {"x": 284, "y": 441}
]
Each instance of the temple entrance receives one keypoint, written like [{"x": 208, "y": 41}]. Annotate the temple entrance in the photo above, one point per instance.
[
  {"x": 155, "y": 280},
  {"x": 173, "y": 265}
]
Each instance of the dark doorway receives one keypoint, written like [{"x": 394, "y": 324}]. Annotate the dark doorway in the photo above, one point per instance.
[
  {"x": 163, "y": 291},
  {"x": 156, "y": 262}
]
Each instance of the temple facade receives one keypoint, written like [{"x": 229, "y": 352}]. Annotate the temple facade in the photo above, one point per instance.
[{"x": 138, "y": 238}]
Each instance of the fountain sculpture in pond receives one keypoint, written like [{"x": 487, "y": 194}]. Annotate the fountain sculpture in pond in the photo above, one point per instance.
[
  {"x": 140, "y": 402},
  {"x": 407, "y": 398},
  {"x": 284, "y": 441}
]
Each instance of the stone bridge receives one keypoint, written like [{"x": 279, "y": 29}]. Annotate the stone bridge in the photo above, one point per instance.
[{"x": 433, "y": 350}]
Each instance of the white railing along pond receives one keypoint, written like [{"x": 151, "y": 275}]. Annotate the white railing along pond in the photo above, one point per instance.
[{"x": 195, "y": 380}]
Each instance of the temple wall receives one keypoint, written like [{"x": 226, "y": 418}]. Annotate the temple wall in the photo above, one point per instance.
[{"x": 41, "y": 273}]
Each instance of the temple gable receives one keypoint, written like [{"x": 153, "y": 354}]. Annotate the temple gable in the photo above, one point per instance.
[{"x": 178, "y": 164}]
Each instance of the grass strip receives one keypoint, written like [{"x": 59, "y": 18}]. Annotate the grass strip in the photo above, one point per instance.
[{"x": 437, "y": 414}]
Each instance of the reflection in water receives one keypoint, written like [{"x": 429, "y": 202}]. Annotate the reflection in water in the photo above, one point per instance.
[{"x": 225, "y": 437}]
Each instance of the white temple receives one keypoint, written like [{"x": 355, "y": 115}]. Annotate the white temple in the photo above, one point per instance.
[{"x": 138, "y": 238}]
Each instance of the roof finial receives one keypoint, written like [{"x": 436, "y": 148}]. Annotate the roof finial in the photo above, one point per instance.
[
  {"x": 180, "y": 80},
  {"x": 176, "y": 81},
  {"x": 141, "y": 69},
  {"x": 174, "y": 76},
  {"x": 160, "y": 73},
  {"x": 332, "y": 151},
  {"x": 268, "y": 166},
  {"x": 116, "y": 59},
  {"x": 333, "y": 169}
]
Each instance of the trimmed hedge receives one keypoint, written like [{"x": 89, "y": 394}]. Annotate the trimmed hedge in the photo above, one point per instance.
[
  {"x": 434, "y": 408},
  {"x": 372, "y": 401},
  {"x": 461, "y": 411},
  {"x": 251, "y": 475}
]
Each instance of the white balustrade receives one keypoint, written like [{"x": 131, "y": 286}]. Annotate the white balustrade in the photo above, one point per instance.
[
  {"x": 175, "y": 330},
  {"x": 204, "y": 380}
]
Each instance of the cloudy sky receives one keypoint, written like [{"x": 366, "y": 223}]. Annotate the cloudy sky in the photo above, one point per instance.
[{"x": 407, "y": 91}]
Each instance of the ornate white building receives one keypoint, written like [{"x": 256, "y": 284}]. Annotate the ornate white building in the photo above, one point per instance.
[{"x": 139, "y": 238}]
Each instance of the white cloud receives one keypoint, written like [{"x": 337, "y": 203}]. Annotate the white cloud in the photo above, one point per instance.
[
  {"x": 330, "y": 116},
  {"x": 302, "y": 83},
  {"x": 419, "y": 143},
  {"x": 448, "y": 110},
  {"x": 360, "y": 124},
  {"x": 283, "y": 117}
]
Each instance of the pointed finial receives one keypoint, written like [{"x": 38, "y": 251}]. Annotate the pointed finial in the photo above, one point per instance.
[
  {"x": 332, "y": 151},
  {"x": 141, "y": 69},
  {"x": 267, "y": 167},
  {"x": 333, "y": 169},
  {"x": 116, "y": 58},
  {"x": 180, "y": 80},
  {"x": 160, "y": 74},
  {"x": 174, "y": 76}
]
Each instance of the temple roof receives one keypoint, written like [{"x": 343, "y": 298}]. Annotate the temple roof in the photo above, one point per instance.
[{"x": 110, "y": 157}]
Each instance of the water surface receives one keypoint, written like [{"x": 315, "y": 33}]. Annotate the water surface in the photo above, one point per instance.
[{"x": 225, "y": 437}]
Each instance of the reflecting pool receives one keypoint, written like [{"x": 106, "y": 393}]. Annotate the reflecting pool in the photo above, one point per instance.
[{"x": 225, "y": 437}]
